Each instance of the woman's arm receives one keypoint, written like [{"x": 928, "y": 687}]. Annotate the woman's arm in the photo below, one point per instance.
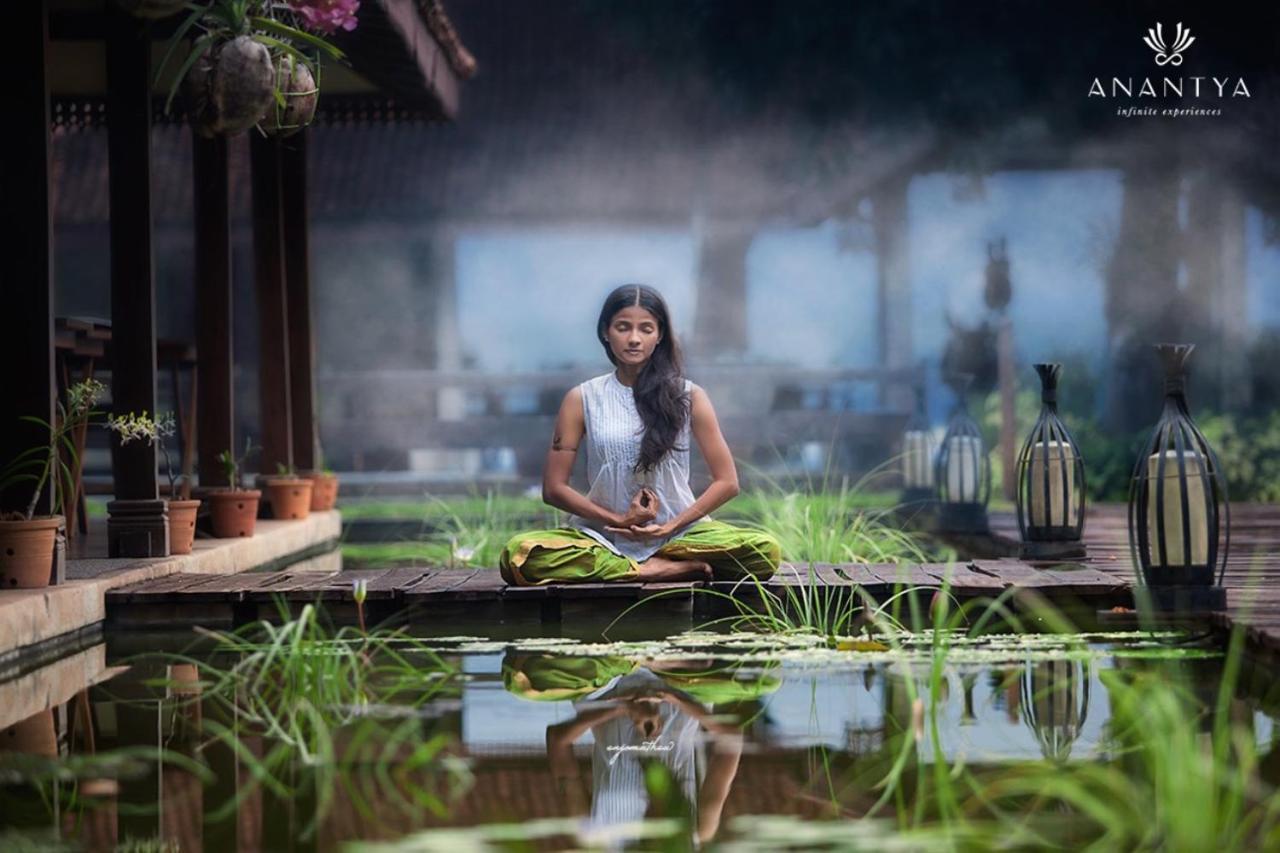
[
  {"x": 570, "y": 428},
  {"x": 724, "y": 474}
]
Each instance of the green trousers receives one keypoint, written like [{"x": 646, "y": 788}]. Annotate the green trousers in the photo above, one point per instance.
[{"x": 565, "y": 555}]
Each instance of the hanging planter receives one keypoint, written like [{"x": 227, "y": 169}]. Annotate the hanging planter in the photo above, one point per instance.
[
  {"x": 230, "y": 87},
  {"x": 253, "y": 62},
  {"x": 294, "y": 98}
]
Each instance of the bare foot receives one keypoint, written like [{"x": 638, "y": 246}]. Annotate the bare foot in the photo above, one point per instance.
[{"x": 662, "y": 569}]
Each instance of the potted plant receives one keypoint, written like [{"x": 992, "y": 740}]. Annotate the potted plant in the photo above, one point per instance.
[
  {"x": 27, "y": 541},
  {"x": 234, "y": 510},
  {"x": 182, "y": 509},
  {"x": 251, "y": 54},
  {"x": 324, "y": 486},
  {"x": 288, "y": 494}
]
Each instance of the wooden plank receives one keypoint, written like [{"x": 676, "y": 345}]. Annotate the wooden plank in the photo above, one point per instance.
[
  {"x": 383, "y": 585},
  {"x": 481, "y": 585},
  {"x": 154, "y": 587},
  {"x": 438, "y": 582},
  {"x": 599, "y": 590},
  {"x": 964, "y": 579}
]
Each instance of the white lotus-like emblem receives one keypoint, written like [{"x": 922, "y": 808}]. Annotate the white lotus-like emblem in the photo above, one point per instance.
[{"x": 1170, "y": 54}]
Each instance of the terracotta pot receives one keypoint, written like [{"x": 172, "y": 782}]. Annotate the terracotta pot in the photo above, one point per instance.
[
  {"x": 298, "y": 88},
  {"x": 290, "y": 497},
  {"x": 234, "y": 513},
  {"x": 324, "y": 491},
  {"x": 230, "y": 87},
  {"x": 36, "y": 735},
  {"x": 182, "y": 526},
  {"x": 26, "y": 552}
]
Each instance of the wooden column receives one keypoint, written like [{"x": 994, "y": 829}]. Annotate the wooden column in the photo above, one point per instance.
[
  {"x": 26, "y": 324},
  {"x": 273, "y": 308},
  {"x": 138, "y": 526},
  {"x": 297, "y": 267},
  {"x": 215, "y": 406},
  {"x": 893, "y": 278}
]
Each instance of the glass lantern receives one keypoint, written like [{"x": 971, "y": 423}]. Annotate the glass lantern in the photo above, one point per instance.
[
  {"x": 1179, "y": 515},
  {"x": 963, "y": 470},
  {"x": 1051, "y": 486},
  {"x": 917, "y": 458}
]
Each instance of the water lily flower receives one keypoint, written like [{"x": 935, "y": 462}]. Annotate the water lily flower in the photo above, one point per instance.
[{"x": 360, "y": 591}]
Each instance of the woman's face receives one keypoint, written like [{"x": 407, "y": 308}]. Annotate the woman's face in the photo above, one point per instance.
[{"x": 632, "y": 334}]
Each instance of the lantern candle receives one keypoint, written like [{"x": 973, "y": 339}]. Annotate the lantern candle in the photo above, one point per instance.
[
  {"x": 1057, "y": 459},
  {"x": 917, "y": 459},
  {"x": 1197, "y": 519},
  {"x": 963, "y": 468}
]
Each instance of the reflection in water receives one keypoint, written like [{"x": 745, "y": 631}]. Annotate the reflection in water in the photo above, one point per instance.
[
  {"x": 1055, "y": 704},
  {"x": 685, "y": 719},
  {"x": 598, "y": 744}
]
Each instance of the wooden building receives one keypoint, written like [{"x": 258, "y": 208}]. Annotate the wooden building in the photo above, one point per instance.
[{"x": 88, "y": 62}]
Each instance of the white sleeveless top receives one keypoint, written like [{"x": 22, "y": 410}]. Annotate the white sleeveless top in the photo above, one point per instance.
[
  {"x": 613, "y": 433},
  {"x": 618, "y": 791}
]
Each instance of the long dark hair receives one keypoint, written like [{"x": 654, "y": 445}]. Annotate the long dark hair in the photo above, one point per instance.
[{"x": 661, "y": 401}]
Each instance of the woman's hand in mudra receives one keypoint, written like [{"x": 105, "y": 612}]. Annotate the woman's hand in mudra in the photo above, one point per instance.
[
  {"x": 643, "y": 510},
  {"x": 651, "y": 530}
]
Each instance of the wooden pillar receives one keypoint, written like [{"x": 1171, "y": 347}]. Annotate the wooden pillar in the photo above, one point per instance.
[
  {"x": 893, "y": 279},
  {"x": 720, "y": 318},
  {"x": 297, "y": 267},
  {"x": 138, "y": 526},
  {"x": 273, "y": 309},
  {"x": 215, "y": 406},
  {"x": 26, "y": 324}
]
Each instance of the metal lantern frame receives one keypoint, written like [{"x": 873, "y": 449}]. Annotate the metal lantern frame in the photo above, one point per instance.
[
  {"x": 1049, "y": 680},
  {"x": 1059, "y": 537},
  {"x": 1190, "y": 585},
  {"x": 955, "y": 514},
  {"x": 915, "y": 496}
]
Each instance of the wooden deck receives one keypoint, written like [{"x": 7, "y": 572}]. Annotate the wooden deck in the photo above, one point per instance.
[
  {"x": 1252, "y": 576},
  {"x": 1102, "y": 580},
  {"x": 425, "y": 591}
]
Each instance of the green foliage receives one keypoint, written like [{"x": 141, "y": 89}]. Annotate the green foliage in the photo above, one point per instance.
[
  {"x": 320, "y": 697},
  {"x": 58, "y": 458},
  {"x": 233, "y": 466}
]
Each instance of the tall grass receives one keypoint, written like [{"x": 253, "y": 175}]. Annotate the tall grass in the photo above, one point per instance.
[{"x": 335, "y": 709}]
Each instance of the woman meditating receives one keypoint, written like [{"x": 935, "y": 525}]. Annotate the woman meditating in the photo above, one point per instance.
[{"x": 639, "y": 520}]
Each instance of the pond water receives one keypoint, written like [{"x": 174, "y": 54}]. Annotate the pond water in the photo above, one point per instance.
[{"x": 296, "y": 740}]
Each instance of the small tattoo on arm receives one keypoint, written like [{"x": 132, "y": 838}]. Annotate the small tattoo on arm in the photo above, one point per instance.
[{"x": 555, "y": 442}]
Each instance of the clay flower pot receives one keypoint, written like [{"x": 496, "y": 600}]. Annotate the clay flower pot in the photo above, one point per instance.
[
  {"x": 231, "y": 87},
  {"x": 290, "y": 497},
  {"x": 182, "y": 526},
  {"x": 234, "y": 513},
  {"x": 26, "y": 552},
  {"x": 298, "y": 88},
  {"x": 324, "y": 490}
]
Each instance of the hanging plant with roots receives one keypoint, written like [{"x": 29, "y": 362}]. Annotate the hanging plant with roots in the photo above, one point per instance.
[{"x": 255, "y": 62}]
